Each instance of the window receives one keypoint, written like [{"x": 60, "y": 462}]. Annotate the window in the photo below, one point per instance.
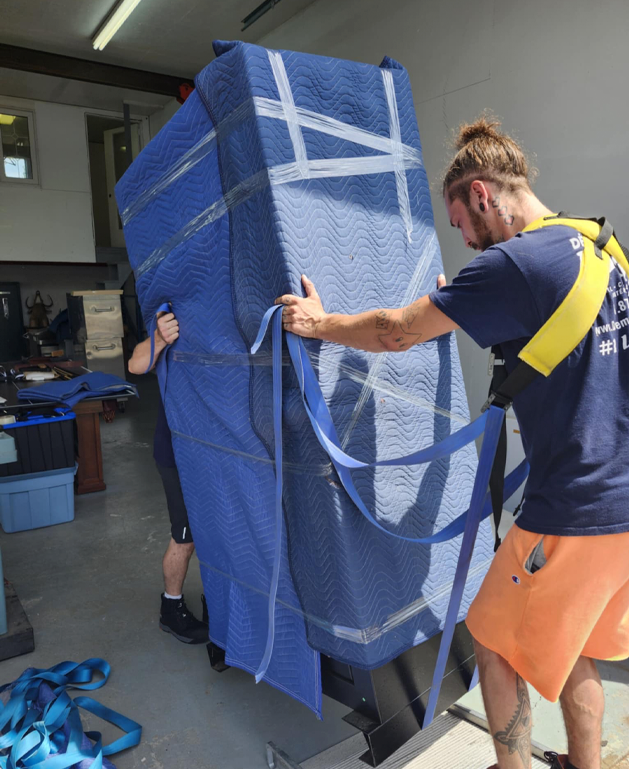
[{"x": 18, "y": 150}]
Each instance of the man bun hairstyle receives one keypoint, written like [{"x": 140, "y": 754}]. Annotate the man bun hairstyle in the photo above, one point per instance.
[{"x": 486, "y": 153}]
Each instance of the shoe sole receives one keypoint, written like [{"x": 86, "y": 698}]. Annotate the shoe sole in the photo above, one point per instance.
[{"x": 182, "y": 638}]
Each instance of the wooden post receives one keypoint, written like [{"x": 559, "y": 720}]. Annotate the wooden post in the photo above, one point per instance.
[{"x": 89, "y": 476}]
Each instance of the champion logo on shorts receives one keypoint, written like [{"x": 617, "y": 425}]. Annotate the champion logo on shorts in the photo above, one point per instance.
[{"x": 516, "y": 579}]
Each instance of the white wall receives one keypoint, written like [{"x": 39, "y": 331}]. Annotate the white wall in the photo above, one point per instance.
[
  {"x": 554, "y": 70},
  {"x": 51, "y": 221}
]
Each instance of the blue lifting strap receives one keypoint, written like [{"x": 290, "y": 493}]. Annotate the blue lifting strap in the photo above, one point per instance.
[
  {"x": 277, "y": 419},
  {"x": 468, "y": 523},
  {"x": 33, "y": 735},
  {"x": 165, "y": 307}
]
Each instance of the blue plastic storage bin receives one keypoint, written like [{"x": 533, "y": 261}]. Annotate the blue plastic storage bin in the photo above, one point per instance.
[
  {"x": 37, "y": 499},
  {"x": 43, "y": 442}
]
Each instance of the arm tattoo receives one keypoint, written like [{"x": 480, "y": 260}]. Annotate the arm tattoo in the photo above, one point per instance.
[
  {"x": 382, "y": 320},
  {"x": 408, "y": 315},
  {"x": 517, "y": 735},
  {"x": 402, "y": 338}
]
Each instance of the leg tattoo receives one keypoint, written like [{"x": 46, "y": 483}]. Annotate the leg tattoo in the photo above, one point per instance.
[{"x": 517, "y": 735}]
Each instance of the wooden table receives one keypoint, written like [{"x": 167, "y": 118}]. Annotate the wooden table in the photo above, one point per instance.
[{"x": 89, "y": 476}]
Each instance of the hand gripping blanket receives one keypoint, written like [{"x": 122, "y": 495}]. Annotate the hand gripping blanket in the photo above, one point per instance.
[{"x": 279, "y": 164}]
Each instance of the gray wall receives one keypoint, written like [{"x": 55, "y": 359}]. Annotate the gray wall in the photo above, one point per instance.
[
  {"x": 54, "y": 280},
  {"x": 50, "y": 221},
  {"x": 554, "y": 70}
]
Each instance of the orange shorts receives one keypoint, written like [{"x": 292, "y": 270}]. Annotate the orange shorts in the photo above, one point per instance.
[{"x": 576, "y": 604}]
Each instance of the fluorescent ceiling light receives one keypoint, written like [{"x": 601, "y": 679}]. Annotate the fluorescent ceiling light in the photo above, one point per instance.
[
  {"x": 7, "y": 119},
  {"x": 123, "y": 10},
  {"x": 257, "y": 13}
]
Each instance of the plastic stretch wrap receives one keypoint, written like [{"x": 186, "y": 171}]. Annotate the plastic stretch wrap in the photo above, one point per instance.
[{"x": 281, "y": 164}]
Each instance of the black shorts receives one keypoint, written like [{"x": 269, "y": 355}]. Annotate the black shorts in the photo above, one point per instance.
[{"x": 179, "y": 526}]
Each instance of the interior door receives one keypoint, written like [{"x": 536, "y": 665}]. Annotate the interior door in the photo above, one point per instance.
[{"x": 116, "y": 163}]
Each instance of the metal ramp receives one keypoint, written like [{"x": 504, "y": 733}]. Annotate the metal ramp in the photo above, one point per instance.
[
  {"x": 449, "y": 743},
  {"x": 454, "y": 743}
]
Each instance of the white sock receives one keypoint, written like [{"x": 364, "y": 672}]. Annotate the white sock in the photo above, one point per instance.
[{"x": 173, "y": 597}]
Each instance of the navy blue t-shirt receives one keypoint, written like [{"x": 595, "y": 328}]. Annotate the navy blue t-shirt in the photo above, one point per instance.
[
  {"x": 574, "y": 423},
  {"x": 162, "y": 442}
]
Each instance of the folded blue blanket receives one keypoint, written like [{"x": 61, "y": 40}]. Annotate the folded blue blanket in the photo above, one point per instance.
[{"x": 70, "y": 392}]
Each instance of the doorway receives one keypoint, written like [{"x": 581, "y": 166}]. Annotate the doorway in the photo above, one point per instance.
[{"x": 108, "y": 162}]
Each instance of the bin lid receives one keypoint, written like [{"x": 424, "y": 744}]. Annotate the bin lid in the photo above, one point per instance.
[{"x": 29, "y": 420}]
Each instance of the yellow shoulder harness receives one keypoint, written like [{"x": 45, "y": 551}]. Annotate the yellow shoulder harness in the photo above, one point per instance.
[{"x": 574, "y": 317}]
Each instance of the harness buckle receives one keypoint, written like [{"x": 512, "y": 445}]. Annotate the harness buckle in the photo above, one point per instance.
[
  {"x": 495, "y": 399},
  {"x": 493, "y": 362},
  {"x": 488, "y": 402}
]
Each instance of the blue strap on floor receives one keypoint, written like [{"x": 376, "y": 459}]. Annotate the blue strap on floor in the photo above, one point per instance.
[
  {"x": 468, "y": 523},
  {"x": 133, "y": 730},
  {"x": 33, "y": 735}
]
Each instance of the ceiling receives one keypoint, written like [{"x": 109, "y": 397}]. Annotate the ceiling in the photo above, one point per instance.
[{"x": 173, "y": 37}]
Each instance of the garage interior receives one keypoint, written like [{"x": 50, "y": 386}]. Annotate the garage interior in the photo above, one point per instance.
[{"x": 73, "y": 119}]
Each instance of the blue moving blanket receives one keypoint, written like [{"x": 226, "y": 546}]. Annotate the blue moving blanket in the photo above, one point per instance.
[
  {"x": 96, "y": 384},
  {"x": 279, "y": 164}
]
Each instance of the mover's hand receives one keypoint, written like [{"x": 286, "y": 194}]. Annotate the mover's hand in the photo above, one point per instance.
[
  {"x": 168, "y": 327},
  {"x": 302, "y": 315}
]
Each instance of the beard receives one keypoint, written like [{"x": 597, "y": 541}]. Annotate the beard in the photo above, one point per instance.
[{"x": 484, "y": 238}]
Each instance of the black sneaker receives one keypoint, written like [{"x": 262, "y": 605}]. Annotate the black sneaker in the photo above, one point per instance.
[
  {"x": 555, "y": 761},
  {"x": 178, "y": 620}
]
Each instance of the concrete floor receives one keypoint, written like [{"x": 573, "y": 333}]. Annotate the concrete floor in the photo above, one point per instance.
[{"x": 91, "y": 588}]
